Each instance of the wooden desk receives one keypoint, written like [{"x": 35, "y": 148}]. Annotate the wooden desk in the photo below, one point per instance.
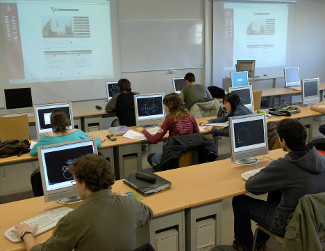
[{"x": 192, "y": 187}]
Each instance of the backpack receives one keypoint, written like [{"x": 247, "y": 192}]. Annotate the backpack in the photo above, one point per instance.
[{"x": 14, "y": 147}]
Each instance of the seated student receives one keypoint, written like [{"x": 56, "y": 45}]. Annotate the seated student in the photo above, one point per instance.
[
  {"x": 320, "y": 108},
  {"x": 178, "y": 122},
  {"x": 286, "y": 180},
  {"x": 194, "y": 92},
  {"x": 231, "y": 102},
  {"x": 60, "y": 134},
  {"x": 104, "y": 221}
]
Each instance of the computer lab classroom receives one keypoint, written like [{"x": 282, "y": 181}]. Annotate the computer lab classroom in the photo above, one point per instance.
[{"x": 151, "y": 42}]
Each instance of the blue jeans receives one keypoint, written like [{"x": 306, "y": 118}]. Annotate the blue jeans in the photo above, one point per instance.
[
  {"x": 262, "y": 212},
  {"x": 154, "y": 158}
]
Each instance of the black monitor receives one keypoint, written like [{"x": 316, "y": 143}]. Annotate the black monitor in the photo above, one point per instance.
[
  {"x": 246, "y": 65},
  {"x": 111, "y": 89},
  {"x": 178, "y": 84},
  {"x": 18, "y": 99}
]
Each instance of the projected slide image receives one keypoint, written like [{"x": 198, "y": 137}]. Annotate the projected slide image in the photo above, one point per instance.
[
  {"x": 262, "y": 26},
  {"x": 150, "y": 106},
  {"x": 249, "y": 133},
  {"x": 58, "y": 162}
]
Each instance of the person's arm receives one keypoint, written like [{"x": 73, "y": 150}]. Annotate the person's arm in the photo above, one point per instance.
[
  {"x": 218, "y": 132},
  {"x": 196, "y": 128},
  {"x": 143, "y": 213},
  {"x": 269, "y": 179},
  {"x": 83, "y": 135},
  {"x": 219, "y": 120},
  {"x": 28, "y": 238},
  {"x": 158, "y": 136},
  {"x": 318, "y": 108},
  {"x": 110, "y": 107}
]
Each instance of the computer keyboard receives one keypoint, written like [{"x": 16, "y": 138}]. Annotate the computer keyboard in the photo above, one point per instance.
[
  {"x": 153, "y": 130},
  {"x": 250, "y": 173},
  {"x": 297, "y": 88},
  {"x": 45, "y": 222},
  {"x": 29, "y": 114}
]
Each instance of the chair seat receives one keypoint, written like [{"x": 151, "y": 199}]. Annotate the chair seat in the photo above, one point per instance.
[{"x": 274, "y": 236}]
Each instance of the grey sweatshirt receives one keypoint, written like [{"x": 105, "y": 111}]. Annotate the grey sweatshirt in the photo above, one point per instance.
[{"x": 288, "y": 179}]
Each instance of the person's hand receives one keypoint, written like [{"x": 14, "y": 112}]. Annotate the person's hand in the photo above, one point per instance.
[
  {"x": 203, "y": 123},
  {"x": 120, "y": 193},
  {"x": 21, "y": 227}
]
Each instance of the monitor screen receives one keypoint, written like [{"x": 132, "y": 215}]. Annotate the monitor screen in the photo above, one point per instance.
[
  {"x": 18, "y": 98},
  {"x": 54, "y": 161},
  {"x": 43, "y": 116},
  {"x": 310, "y": 91},
  {"x": 239, "y": 78},
  {"x": 248, "y": 136},
  {"x": 149, "y": 109},
  {"x": 111, "y": 89},
  {"x": 291, "y": 76},
  {"x": 245, "y": 94},
  {"x": 246, "y": 65},
  {"x": 178, "y": 84}
]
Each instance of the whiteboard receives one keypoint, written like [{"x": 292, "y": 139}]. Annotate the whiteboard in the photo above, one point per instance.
[{"x": 155, "y": 44}]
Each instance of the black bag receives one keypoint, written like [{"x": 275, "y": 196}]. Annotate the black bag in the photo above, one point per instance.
[{"x": 14, "y": 147}]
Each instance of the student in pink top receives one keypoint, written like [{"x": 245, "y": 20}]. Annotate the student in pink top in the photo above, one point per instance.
[{"x": 178, "y": 122}]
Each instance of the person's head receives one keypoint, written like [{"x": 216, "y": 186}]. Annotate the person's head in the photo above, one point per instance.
[
  {"x": 59, "y": 120},
  {"x": 231, "y": 101},
  {"x": 124, "y": 85},
  {"x": 92, "y": 173},
  {"x": 292, "y": 134},
  {"x": 174, "y": 106},
  {"x": 216, "y": 92},
  {"x": 189, "y": 78}
]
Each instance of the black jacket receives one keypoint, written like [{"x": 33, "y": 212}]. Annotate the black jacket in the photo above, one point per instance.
[
  {"x": 177, "y": 145},
  {"x": 125, "y": 110}
]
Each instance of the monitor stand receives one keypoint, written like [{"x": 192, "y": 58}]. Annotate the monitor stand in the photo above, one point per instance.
[
  {"x": 69, "y": 200},
  {"x": 246, "y": 161}
]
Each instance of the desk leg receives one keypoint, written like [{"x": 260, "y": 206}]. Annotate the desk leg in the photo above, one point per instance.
[
  {"x": 193, "y": 216},
  {"x": 308, "y": 123},
  {"x": 175, "y": 220},
  {"x": 107, "y": 153},
  {"x": 120, "y": 151}
]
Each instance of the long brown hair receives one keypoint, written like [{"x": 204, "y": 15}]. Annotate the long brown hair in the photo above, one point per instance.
[{"x": 175, "y": 106}]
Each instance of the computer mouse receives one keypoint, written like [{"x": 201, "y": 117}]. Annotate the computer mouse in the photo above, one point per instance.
[{"x": 98, "y": 107}]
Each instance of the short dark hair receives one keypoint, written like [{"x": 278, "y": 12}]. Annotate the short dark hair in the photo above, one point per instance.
[
  {"x": 294, "y": 134},
  {"x": 124, "y": 85},
  {"x": 190, "y": 77},
  {"x": 59, "y": 120},
  {"x": 233, "y": 99},
  {"x": 216, "y": 92},
  {"x": 94, "y": 170}
]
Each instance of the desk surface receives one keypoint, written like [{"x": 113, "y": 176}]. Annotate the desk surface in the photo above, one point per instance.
[
  {"x": 191, "y": 186},
  {"x": 284, "y": 91}
]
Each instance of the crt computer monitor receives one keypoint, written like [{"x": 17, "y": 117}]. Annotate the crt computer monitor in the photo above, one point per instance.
[
  {"x": 310, "y": 91},
  {"x": 246, "y": 65},
  {"x": 239, "y": 78},
  {"x": 245, "y": 94},
  {"x": 43, "y": 113},
  {"x": 18, "y": 100},
  {"x": 178, "y": 84},
  {"x": 291, "y": 76},
  {"x": 57, "y": 181},
  {"x": 248, "y": 138},
  {"x": 149, "y": 109},
  {"x": 111, "y": 89}
]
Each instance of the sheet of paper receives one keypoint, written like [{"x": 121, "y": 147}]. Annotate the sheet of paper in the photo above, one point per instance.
[
  {"x": 225, "y": 124},
  {"x": 130, "y": 134},
  {"x": 204, "y": 128},
  {"x": 32, "y": 143}
]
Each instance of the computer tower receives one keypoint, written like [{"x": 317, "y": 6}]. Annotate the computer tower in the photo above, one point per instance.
[
  {"x": 205, "y": 234},
  {"x": 167, "y": 240}
]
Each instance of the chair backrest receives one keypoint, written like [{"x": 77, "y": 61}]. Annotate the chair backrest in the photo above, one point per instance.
[
  {"x": 257, "y": 97},
  {"x": 14, "y": 128},
  {"x": 188, "y": 158}
]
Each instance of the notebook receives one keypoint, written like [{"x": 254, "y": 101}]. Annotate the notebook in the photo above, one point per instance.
[
  {"x": 119, "y": 130},
  {"x": 146, "y": 188}
]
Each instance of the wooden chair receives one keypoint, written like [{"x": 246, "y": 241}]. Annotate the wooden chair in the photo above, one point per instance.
[
  {"x": 257, "y": 97},
  {"x": 189, "y": 158},
  {"x": 260, "y": 228},
  {"x": 14, "y": 128}
]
